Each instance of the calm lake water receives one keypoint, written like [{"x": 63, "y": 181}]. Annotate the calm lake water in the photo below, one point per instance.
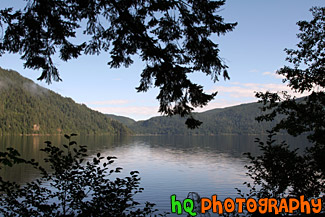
[{"x": 167, "y": 164}]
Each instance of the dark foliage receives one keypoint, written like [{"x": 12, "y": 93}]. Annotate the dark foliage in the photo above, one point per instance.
[
  {"x": 305, "y": 115},
  {"x": 283, "y": 173},
  {"x": 280, "y": 172},
  {"x": 173, "y": 38},
  {"x": 76, "y": 186},
  {"x": 307, "y": 74}
]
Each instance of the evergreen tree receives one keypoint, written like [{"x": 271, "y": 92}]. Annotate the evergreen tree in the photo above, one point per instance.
[
  {"x": 173, "y": 38},
  {"x": 279, "y": 171}
]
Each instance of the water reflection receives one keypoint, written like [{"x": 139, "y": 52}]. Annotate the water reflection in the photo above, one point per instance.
[{"x": 167, "y": 164}]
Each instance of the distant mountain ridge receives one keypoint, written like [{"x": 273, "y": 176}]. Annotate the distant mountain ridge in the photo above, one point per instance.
[
  {"x": 27, "y": 108},
  {"x": 231, "y": 120}
]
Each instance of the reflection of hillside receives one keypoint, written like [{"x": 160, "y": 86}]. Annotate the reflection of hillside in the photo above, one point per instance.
[
  {"x": 98, "y": 143},
  {"x": 234, "y": 145},
  {"x": 195, "y": 149},
  {"x": 29, "y": 148}
]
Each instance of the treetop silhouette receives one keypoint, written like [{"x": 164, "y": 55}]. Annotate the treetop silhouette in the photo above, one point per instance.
[{"x": 173, "y": 38}]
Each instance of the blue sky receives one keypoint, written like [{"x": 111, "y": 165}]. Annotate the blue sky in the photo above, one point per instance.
[{"x": 253, "y": 52}]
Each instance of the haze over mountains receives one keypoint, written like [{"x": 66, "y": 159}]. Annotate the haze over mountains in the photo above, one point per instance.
[{"x": 27, "y": 108}]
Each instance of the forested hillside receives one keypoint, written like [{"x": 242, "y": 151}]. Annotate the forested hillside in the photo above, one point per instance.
[
  {"x": 124, "y": 120},
  {"x": 232, "y": 120},
  {"x": 27, "y": 108}
]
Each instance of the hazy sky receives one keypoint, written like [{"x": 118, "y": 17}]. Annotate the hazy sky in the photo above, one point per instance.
[{"x": 253, "y": 52}]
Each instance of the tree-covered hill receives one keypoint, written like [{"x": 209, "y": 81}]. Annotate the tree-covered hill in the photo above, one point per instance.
[
  {"x": 27, "y": 108},
  {"x": 124, "y": 120},
  {"x": 232, "y": 120}
]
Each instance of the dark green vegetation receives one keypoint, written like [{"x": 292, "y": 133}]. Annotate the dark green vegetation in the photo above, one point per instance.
[
  {"x": 306, "y": 75},
  {"x": 280, "y": 172},
  {"x": 232, "y": 120},
  {"x": 172, "y": 38},
  {"x": 27, "y": 108},
  {"x": 124, "y": 120},
  {"x": 79, "y": 186}
]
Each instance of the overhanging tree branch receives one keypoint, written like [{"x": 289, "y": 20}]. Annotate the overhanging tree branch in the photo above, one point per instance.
[{"x": 171, "y": 47}]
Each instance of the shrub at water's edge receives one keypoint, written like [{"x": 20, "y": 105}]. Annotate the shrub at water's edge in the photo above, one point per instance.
[
  {"x": 80, "y": 186},
  {"x": 280, "y": 172}
]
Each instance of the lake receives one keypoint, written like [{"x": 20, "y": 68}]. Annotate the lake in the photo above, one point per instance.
[{"x": 167, "y": 164}]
